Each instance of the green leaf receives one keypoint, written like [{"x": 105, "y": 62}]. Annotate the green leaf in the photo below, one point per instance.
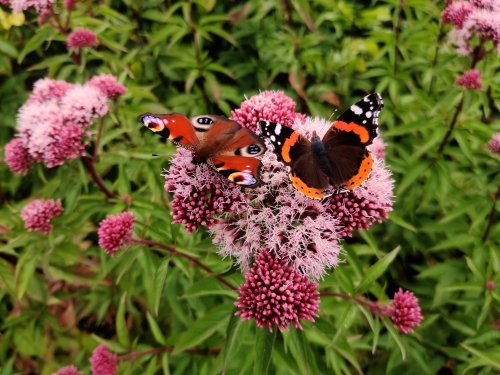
[
  {"x": 301, "y": 351},
  {"x": 231, "y": 337},
  {"x": 375, "y": 271},
  {"x": 399, "y": 221},
  {"x": 36, "y": 41},
  {"x": 392, "y": 331},
  {"x": 493, "y": 359},
  {"x": 155, "y": 329},
  {"x": 345, "y": 321},
  {"x": 370, "y": 240},
  {"x": 54, "y": 60},
  {"x": 164, "y": 363},
  {"x": 204, "y": 327},
  {"x": 8, "y": 49},
  {"x": 264, "y": 344},
  {"x": 160, "y": 277},
  {"x": 25, "y": 270},
  {"x": 121, "y": 323}
]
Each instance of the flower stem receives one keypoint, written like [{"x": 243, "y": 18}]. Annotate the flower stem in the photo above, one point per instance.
[
  {"x": 452, "y": 125},
  {"x": 492, "y": 215},
  {"x": 96, "y": 145},
  {"x": 374, "y": 307},
  {"x": 173, "y": 251},
  {"x": 89, "y": 165}
]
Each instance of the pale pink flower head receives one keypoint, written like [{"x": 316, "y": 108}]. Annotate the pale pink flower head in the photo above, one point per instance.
[
  {"x": 377, "y": 148},
  {"x": 17, "y": 157},
  {"x": 83, "y": 103},
  {"x": 281, "y": 219},
  {"x": 470, "y": 80},
  {"x": 200, "y": 193},
  {"x": 19, "y": 5},
  {"x": 5, "y": 2},
  {"x": 68, "y": 370},
  {"x": 405, "y": 311},
  {"x": 494, "y": 143},
  {"x": 44, "y": 16},
  {"x": 47, "y": 89},
  {"x": 81, "y": 38},
  {"x": 272, "y": 106},
  {"x": 103, "y": 362},
  {"x": 38, "y": 214},
  {"x": 457, "y": 13},
  {"x": 108, "y": 84},
  {"x": 115, "y": 231},
  {"x": 46, "y": 134},
  {"x": 274, "y": 293}
]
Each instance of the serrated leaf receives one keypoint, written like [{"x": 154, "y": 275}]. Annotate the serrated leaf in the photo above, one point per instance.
[
  {"x": 376, "y": 270},
  {"x": 204, "y": 327},
  {"x": 264, "y": 344}
]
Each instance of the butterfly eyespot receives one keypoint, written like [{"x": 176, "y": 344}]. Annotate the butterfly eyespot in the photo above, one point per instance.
[
  {"x": 253, "y": 149},
  {"x": 205, "y": 121}
]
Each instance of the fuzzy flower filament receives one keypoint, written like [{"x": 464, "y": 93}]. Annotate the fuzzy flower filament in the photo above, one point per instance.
[{"x": 273, "y": 293}]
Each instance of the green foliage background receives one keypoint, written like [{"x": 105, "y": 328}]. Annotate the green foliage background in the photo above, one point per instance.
[{"x": 61, "y": 294}]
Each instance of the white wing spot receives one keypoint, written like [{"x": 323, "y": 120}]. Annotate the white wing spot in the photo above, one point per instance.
[
  {"x": 369, "y": 114},
  {"x": 279, "y": 143},
  {"x": 273, "y": 138},
  {"x": 277, "y": 130},
  {"x": 357, "y": 110},
  {"x": 364, "y": 121},
  {"x": 371, "y": 108}
]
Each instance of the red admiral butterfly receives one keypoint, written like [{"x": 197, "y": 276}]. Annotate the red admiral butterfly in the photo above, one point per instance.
[
  {"x": 340, "y": 159},
  {"x": 221, "y": 143}
]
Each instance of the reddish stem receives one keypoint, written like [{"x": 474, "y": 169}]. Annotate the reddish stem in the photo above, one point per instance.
[
  {"x": 96, "y": 145},
  {"x": 89, "y": 165},
  {"x": 374, "y": 307},
  {"x": 173, "y": 251}
]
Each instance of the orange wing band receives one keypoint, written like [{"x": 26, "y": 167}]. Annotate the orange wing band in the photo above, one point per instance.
[
  {"x": 309, "y": 191},
  {"x": 363, "y": 173},
  {"x": 289, "y": 142},
  {"x": 361, "y": 131}
]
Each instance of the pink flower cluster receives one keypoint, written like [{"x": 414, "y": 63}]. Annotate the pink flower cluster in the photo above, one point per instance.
[
  {"x": 53, "y": 123},
  {"x": 19, "y": 5},
  {"x": 275, "y": 293},
  {"x": 479, "y": 18},
  {"x": 38, "y": 214},
  {"x": 273, "y": 106},
  {"x": 200, "y": 193},
  {"x": 102, "y": 363},
  {"x": 115, "y": 230},
  {"x": 470, "y": 80},
  {"x": 405, "y": 311},
  {"x": 81, "y": 38},
  {"x": 494, "y": 143}
]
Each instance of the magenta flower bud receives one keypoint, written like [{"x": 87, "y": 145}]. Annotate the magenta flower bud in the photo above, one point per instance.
[
  {"x": 17, "y": 157},
  {"x": 405, "y": 312},
  {"x": 103, "y": 362},
  {"x": 273, "y": 293},
  {"x": 470, "y": 80},
  {"x": 493, "y": 144},
  {"x": 81, "y": 38},
  {"x": 115, "y": 231},
  {"x": 38, "y": 214}
]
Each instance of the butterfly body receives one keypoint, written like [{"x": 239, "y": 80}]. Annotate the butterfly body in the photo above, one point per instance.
[
  {"x": 217, "y": 141},
  {"x": 340, "y": 159}
]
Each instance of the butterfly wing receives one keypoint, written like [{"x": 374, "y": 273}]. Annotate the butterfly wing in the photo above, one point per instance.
[
  {"x": 230, "y": 149},
  {"x": 294, "y": 150},
  {"x": 242, "y": 170},
  {"x": 174, "y": 126},
  {"x": 346, "y": 141}
]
